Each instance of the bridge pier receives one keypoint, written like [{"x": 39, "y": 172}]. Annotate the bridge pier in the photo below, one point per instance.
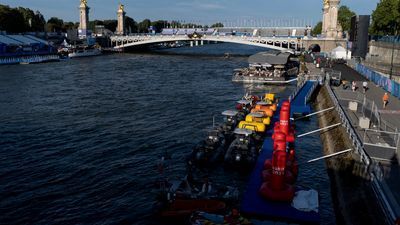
[
  {"x": 191, "y": 43},
  {"x": 201, "y": 42},
  {"x": 196, "y": 43}
]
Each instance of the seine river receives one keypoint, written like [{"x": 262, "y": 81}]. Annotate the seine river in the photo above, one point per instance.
[{"x": 80, "y": 139}]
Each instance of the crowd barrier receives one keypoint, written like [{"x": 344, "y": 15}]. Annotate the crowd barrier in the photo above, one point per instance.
[{"x": 389, "y": 85}]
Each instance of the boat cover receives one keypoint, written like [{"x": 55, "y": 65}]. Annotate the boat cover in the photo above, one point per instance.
[
  {"x": 229, "y": 113},
  {"x": 256, "y": 115},
  {"x": 244, "y": 102},
  {"x": 242, "y": 131},
  {"x": 263, "y": 103},
  {"x": 271, "y": 58}
]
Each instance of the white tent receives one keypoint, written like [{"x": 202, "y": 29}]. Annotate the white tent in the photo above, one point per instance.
[{"x": 340, "y": 53}]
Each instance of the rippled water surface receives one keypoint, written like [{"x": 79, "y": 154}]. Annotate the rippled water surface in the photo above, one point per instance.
[{"x": 79, "y": 139}]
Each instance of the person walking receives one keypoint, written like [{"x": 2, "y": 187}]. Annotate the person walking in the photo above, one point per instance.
[
  {"x": 353, "y": 85},
  {"x": 365, "y": 86},
  {"x": 385, "y": 99}
]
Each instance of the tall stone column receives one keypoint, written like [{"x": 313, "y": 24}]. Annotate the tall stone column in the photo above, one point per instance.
[
  {"x": 121, "y": 20},
  {"x": 325, "y": 18},
  {"x": 83, "y": 19},
  {"x": 333, "y": 18}
]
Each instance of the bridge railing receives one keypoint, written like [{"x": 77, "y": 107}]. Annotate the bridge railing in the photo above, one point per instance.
[{"x": 276, "y": 43}]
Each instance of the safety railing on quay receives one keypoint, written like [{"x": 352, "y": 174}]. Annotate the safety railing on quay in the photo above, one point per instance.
[
  {"x": 356, "y": 141},
  {"x": 302, "y": 79},
  {"x": 374, "y": 169},
  {"x": 300, "y": 85},
  {"x": 368, "y": 109},
  {"x": 308, "y": 96}
]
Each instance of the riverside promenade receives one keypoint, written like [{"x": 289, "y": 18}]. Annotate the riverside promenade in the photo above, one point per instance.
[{"x": 377, "y": 128}]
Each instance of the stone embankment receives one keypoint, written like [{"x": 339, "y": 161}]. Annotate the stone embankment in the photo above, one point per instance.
[{"x": 352, "y": 194}]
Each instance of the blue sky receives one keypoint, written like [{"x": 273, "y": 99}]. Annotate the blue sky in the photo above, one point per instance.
[{"x": 234, "y": 12}]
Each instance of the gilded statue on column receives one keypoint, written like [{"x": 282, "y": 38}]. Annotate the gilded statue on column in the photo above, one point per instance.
[
  {"x": 121, "y": 7},
  {"x": 326, "y": 2},
  {"x": 84, "y": 2}
]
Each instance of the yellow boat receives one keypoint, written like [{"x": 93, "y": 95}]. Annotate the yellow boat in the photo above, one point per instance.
[
  {"x": 259, "y": 117},
  {"x": 254, "y": 126}
]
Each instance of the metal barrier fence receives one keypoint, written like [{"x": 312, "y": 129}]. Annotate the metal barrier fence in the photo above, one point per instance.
[
  {"x": 308, "y": 96},
  {"x": 368, "y": 109},
  {"x": 383, "y": 139},
  {"x": 374, "y": 169},
  {"x": 300, "y": 84},
  {"x": 356, "y": 141}
]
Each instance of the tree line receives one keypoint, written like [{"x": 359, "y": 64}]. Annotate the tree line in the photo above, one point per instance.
[{"x": 19, "y": 20}]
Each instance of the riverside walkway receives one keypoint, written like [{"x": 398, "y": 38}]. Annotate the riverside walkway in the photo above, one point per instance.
[{"x": 380, "y": 139}]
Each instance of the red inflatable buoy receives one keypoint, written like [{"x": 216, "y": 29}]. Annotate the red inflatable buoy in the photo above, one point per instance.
[
  {"x": 268, "y": 164},
  {"x": 286, "y": 194},
  {"x": 278, "y": 169},
  {"x": 286, "y": 103},
  {"x": 278, "y": 136},
  {"x": 289, "y": 177},
  {"x": 284, "y": 117}
]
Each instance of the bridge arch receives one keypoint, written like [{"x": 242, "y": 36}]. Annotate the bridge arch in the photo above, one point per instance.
[{"x": 281, "y": 44}]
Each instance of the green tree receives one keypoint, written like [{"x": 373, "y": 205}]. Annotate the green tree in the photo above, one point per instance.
[
  {"x": 143, "y": 27},
  {"x": 55, "y": 24},
  {"x": 317, "y": 29},
  {"x": 38, "y": 22},
  {"x": 111, "y": 25},
  {"x": 131, "y": 25},
  {"x": 68, "y": 26},
  {"x": 386, "y": 18},
  {"x": 11, "y": 20},
  {"x": 217, "y": 25},
  {"x": 159, "y": 25},
  {"x": 28, "y": 16},
  {"x": 92, "y": 24},
  {"x": 344, "y": 17}
]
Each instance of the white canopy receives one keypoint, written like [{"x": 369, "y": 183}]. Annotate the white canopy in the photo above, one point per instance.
[{"x": 340, "y": 53}]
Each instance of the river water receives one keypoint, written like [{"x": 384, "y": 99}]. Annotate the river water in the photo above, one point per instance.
[{"x": 80, "y": 139}]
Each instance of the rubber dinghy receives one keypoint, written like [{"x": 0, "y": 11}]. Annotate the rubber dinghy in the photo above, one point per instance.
[
  {"x": 210, "y": 150},
  {"x": 242, "y": 151}
]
